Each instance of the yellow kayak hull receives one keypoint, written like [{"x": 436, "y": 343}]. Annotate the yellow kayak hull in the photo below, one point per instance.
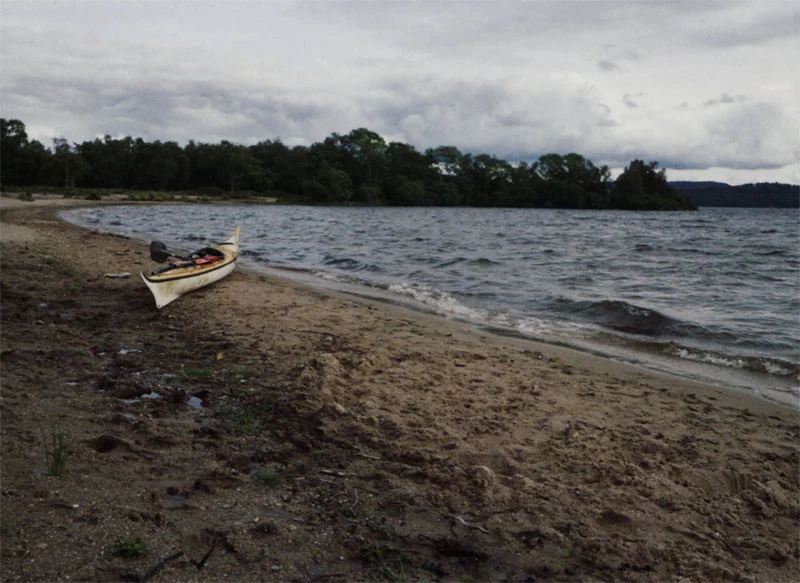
[{"x": 169, "y": 286}]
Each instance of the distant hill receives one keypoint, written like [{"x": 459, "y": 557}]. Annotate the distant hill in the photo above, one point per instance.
[{"x": 763, "y": 194}]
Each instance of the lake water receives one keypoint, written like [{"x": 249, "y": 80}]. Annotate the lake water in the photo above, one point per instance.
[{"x": 712, "y": 295}]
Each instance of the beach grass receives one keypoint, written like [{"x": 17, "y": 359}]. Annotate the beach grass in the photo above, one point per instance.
[
  {"x": 55, "y": 449},
  {"x": 268, "y": 478},
  {"x": 130, "y": 548}
]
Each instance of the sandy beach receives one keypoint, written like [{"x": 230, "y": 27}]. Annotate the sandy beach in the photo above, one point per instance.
[{"x": 261, "y": 430}]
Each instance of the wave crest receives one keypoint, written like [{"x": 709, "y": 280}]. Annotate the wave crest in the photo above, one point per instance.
[{"x": 625, "y": 317}]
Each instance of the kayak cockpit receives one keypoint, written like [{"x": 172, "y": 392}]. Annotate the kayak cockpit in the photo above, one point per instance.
[{"x": 185, "y": 273}]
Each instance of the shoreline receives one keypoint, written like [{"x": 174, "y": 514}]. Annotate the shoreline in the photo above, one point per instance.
[
  {"x": 591, "y": 358},
  {"x": 405, "y": 443},
  {"x": 638, "y": 353}
]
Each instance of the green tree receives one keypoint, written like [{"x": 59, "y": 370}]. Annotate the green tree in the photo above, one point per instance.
[
  {"x": 159, "y": 166},
  {"x": 643, "y": 187},
  {"x": 361, "y": 154},
  {"x": 448, "y": 159},
  {"x": 490, "y": 180},
  {"x": 286, "y": 170},
  {"x": 408, "y": 192},
  {"x": 454, "y": 168},
  {"x": 208, "y": 166},
  {"x": 410, "y": 177},
  {"x": 104, "y": 169},
  {"x": 526, "y": 187},
  {"x": 13, "y": 141},
  {"x": 243, "y": 170},
  {"x": 69, "y": 161},
  {"x": 444, "y": 192},
  {"x": 335, "y": 185},
  {"x": 118, "y": 157},
  {"x": 573, "y": 181},
  {"x": 291, "y": 171},
  {"x": 552, "y": 168},
  {"x": 21, "y": 160},
  {"x": 368, "y": 149}
]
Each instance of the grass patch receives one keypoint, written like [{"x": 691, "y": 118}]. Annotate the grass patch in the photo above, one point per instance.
[
  {"x": 245, "y": 420},
  {"x": 55, "y": 449},
  {"x": 59, "y": 265},
  {"x": 130, "y": 548},
  {"x": 268, "y": 478},
  {"x": 198, "y": 373},
  {"x": 179, "y": 354},
  {"x": 245, "y": 372},
  {"x": 240, "y": 375},
  {"x": 385, "y": 566}
]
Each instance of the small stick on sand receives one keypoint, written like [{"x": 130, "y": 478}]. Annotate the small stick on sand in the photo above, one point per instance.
[{"x": 468, "y": 525}]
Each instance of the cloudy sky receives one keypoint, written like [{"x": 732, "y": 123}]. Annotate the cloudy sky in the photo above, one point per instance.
[{"x": 708, "y": 89}]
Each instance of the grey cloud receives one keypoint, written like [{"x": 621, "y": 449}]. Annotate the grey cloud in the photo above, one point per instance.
[
  {"x": 781, "y": 23},
  {"x": 484, "y": 32},
  {"x": 629, "y": 101},
  {"x": 495, "y": 117},
  {"x": 631, "y": 55},
  {"x": 753, "y": 135},
  {"x": 426, "y": 81},
  {"x": 725, "y": 98},
  {"x": 745, "y": 136},
  {"x": 615, "y": 60},
  {"x": 81, "y": 88},
  {"x": 425, "y": 110}
]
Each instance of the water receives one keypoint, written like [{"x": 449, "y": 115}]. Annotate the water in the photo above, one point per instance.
[{"x": 709, "y": 295}]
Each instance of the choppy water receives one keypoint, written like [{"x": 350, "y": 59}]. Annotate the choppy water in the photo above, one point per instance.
[{"x": 711, "y": 295}]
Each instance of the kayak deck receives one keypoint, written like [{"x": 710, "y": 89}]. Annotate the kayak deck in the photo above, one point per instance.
[{"x": 174, "y": 280}]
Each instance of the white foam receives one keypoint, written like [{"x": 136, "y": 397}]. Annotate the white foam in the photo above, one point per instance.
[
  {"x": 442, "y": 302},
  {"x": 709, "y": 358},
  {"x": 561, "y": 329},
  {"x": 776, "y": 369}
]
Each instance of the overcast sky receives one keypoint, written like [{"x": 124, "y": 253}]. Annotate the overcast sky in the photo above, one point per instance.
[{"x": 708, "y": 89}]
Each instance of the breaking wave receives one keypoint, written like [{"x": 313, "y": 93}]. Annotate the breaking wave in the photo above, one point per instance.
[
  {"x": 627, "y": 317},
  {"x": 771, "y": 366}
]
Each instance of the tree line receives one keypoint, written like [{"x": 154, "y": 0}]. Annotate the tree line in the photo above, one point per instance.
[{"x": 356, "y": 168}]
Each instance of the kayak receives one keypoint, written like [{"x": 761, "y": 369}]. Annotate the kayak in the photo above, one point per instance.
[{"x": 199, "y": 269}]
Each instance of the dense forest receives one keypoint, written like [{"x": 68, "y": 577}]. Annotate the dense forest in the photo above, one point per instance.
[
  {"x": 761, "y": 195},
  {"x": 357, "y": 168}
]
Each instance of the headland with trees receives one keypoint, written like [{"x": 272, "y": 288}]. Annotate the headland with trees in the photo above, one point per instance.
[{"x": 356, "y": 168}]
